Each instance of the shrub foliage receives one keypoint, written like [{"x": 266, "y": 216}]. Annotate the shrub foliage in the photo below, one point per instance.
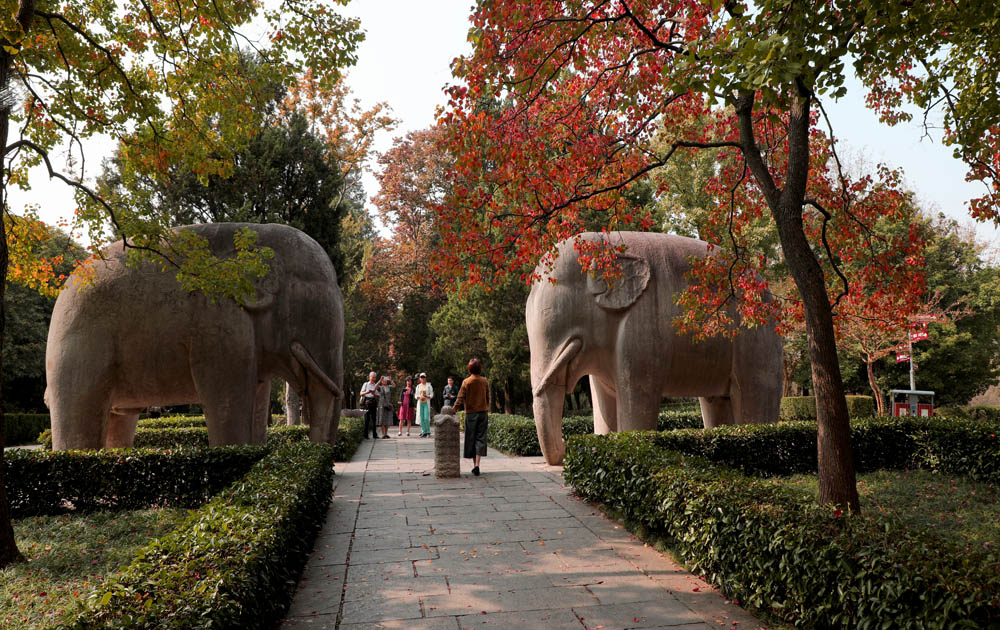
[
  {"x": 517, "y": 435},
  {"x": 234, "y": 563},
  {"x": 191, "y": 432},
  {"x": 350, "y": 433},
  {"x": 804, "y": 407},
  {"x": 776, "y": 550},
  {"x": 967, "y": 447},
  {"x": 45, "y": 482}
]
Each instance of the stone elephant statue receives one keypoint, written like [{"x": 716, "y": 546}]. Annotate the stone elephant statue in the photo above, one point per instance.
[
  {"x": 623, "y": 337},
  {"x": 134, "y": 338}
]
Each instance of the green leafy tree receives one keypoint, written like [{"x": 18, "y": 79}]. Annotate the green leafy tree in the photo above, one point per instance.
[
  {"x": 960, "y": 360},
  {"x": 286, "y": 174},
  {"x": 488, "y": 323},
  {"x": 170, "y": 84}
]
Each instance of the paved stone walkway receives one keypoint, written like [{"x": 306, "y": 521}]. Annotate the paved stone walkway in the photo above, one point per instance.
[{"x": 512, "y": 548}]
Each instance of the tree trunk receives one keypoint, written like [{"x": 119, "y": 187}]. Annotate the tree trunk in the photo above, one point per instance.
[
  {"x": 876, "y": 391},
  {"x": 788, "y": 368},
  {"x": 837, "y": 482},
  {"x": 9, "y": 552},
  {"x": 508, "y": 395}
]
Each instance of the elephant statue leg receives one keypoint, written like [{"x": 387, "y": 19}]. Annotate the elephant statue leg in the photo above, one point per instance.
[
  {"x": 757, "y": 377},
  {"x": 639, "y": 392},
  {"x": 605, "y": 407},
  {"x": 261, "y": 411},
  {"x": 331, "y": 436},
  {"x": 121, "y": 428},
  {"x": 222, "y": 380},
  {"x": 79, "y": 397},
  {"x": 318, "y": 405},
  {"x": 716, "y": 411}
]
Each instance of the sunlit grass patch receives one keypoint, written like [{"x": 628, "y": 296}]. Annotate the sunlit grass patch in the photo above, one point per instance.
[
  {"x": 69, "y": 556},
  {"x": 948, "y": 507}
]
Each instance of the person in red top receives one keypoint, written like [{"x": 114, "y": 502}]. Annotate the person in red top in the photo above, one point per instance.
[{"x": 474, "y": 398}]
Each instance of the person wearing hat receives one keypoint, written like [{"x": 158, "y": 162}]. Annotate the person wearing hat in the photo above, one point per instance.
[
  {"x": 424, "y": 394},
  {"x": 474, "y": 398}
]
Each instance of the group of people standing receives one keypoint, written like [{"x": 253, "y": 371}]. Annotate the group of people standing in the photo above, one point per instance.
[
  {"x": 415, "y": 406},
  {"x": 381, "y": 412}
]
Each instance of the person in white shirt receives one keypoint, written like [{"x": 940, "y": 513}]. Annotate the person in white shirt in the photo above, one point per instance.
[
  {"x": 425, "y": 391},
  {"x": 369, "y": 402}
]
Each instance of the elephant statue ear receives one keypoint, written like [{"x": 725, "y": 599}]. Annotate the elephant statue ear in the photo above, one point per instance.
[
  {"x": 623, "y": 291},
  {"x": 267, "y": 287}
]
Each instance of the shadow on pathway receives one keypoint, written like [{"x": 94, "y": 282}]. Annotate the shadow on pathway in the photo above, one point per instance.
[{"x": 509, "y": 549}]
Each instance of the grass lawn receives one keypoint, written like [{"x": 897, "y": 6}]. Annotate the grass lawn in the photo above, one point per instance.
[
  {"x": 949, "y": 507},
  {"x": 68, "y": 556}
]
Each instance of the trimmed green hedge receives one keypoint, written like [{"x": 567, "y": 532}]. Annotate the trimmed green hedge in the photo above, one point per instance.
[
  {"x": 193, "y": 436},
  {"x": 235, "y": 562},
  {"x": 967, "y": 447},
  {"x": 517, "y": 435},
  {"x": 350, "y": 433},
  {"x": 23, "y": 428},
  {"x": 804, "y": 407},
  {"x": 172, "y": 422},
  {"x": 778, "y": 551},
  {"x": 687, "y": 417},
  {"x": 45, "y": 482}
]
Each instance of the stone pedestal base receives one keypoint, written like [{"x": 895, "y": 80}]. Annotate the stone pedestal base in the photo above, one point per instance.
[{"x": 447, "y": 460}]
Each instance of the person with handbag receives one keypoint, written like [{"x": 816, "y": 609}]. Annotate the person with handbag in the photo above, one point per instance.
[
  {"x": 369, "y": 403},
  {"x": 384, "y": 394}
]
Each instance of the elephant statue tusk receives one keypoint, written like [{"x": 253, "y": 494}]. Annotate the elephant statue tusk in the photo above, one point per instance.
[{"x": 299, "y": 352}]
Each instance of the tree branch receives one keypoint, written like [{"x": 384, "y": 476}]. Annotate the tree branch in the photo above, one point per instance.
[
  {"x": 829, "y": 253},
  {"x": 90, "y": 193}
]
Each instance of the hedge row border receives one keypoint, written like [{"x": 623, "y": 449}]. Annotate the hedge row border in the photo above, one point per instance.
[
  {"x": 778, "y": 551},
  {"x": 235, "y": 562}
]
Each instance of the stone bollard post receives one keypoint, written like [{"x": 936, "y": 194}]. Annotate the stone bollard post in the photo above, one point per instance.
[
  {"x": 293, "y": 406},
  {"x": 446, "y": 454}
]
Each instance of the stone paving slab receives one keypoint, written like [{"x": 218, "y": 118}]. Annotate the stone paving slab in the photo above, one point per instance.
[{"x": 513, "y": 548}]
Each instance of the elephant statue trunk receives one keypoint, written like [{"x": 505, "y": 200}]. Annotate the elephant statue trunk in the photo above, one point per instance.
[{"x": 549, "y": 393}]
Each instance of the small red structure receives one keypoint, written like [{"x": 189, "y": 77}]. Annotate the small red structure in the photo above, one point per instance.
[{"x": 906, "y": 402}]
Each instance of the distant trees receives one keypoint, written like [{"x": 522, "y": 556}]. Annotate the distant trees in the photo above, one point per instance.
[{"x": 27, "y": 326}]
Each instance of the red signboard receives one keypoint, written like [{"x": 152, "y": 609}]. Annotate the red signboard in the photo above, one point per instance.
[
  {"x": 920, "y": 335},
  {"x": 902, "y": 357}
]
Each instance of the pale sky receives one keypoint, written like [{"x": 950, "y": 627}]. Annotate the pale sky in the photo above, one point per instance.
[{"x": 405, "y": 61}]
